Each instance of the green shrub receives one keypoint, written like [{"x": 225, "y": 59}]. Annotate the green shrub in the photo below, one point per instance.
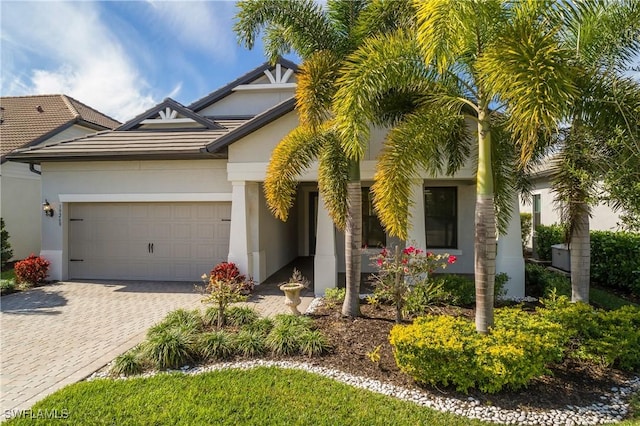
[
  {"x": 313, "y": 343},
  {"x": 241, "y": 315},
  {"x": 426, "y": 294},
  {"x": 334, "y": 296},
  {"x": 250, "y": 343},
  {"x": 189, "y": 320},
  {"x": 540, "y": 282},
  {"x": 546, "y": 236},
  {"x": 7, "y": 285},
  {"x": 216, "y": 345},
  {"x": 448, "y": 350},
  {"x": 615, "y": 256},
  {"x": 128, "y": 364},
  {"x": 262, "y": 326},
  {"x": 284, "y": 340},
  {"x": 170, "y": 346},
  {"x": 288, "y": 320},
  {"x": 6, "y": 252},
  {"x": 461, "y": 289},
  {"x": 210, "y": 316},
  {"x": 526, "y": 221},
  {"x": 611, "y": 338}
]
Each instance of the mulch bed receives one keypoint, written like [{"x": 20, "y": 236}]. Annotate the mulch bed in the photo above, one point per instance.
[{"x": 572, "y": 383}]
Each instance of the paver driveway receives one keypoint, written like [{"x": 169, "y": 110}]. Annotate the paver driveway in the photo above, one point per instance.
[{"x": 56, "y": 335}]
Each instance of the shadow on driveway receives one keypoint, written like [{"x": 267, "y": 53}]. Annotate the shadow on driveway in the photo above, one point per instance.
[{"x": 37, "y": 301}]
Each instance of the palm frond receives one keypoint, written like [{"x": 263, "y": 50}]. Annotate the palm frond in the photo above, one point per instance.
[
  {"x": 384, "y": 16},
  {"x": 276, "y": 43},
  {"x": 305, "y": 22},
  {"x": 344, "y": 16},
  {"x": 316, "y": 87},
  {"x": 333, "y": 174},
  {"x": 289, "y": 159},
  {"x": 381, "y": 64},
  {"x": 532, "y": 74},
  {"x": 422, "y": 140}
]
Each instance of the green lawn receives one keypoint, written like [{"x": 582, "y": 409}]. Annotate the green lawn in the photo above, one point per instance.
[
  {"x": 262, "y": 396},
  {"x": 8, "y": 274}
]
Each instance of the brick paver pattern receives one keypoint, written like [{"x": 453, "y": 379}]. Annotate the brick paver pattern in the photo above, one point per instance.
[{"x": 59, "y": 334}]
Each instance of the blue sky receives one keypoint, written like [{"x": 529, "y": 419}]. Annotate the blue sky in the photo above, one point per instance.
[{"x": 121, "y": 57}]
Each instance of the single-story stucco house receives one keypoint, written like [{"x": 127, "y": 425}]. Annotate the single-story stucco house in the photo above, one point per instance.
[
  {"x": 544, "y": 211},
  {"x": 179, "y": 188},
  {"x": 27, "y": 121}
]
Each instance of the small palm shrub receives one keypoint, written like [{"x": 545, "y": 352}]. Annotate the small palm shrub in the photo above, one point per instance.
[
  {"x": 250, "y": 343},
  {"x": 32, "y": 271},
  {"x": 170, "y": 346},
  {"x": 128, "y": 364},
  {"x": 216, "y": 345},
  {"x": 241, "y": 315}
]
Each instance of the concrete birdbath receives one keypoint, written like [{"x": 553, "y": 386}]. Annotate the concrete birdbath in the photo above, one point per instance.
[{"x": 292, "y": 296}]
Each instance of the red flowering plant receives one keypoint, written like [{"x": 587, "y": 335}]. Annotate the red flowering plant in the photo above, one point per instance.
[
  {"x": 226, "y": 285},
  {"x": 32, "y": 271},
  {"x": 400, "y": 271}
]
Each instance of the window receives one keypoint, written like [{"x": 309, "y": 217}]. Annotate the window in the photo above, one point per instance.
[
  {"x": 373, "y": 234},
  {"x": 536, "y": 211},
  {"x": 441, "y": 216}
]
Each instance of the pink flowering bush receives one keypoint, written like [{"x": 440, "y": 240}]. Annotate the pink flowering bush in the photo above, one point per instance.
[
  {"x": 401, "y": 270},
  {"x": 32, "y": 271}
]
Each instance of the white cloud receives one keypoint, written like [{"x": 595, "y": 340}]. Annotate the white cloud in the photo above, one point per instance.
[
  {"x": 198, "y": 25},
  {"x": 76, "y": 54}
]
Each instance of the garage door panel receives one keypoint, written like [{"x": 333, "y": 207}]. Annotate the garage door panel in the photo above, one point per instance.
[{"x": 113, "y": 240}]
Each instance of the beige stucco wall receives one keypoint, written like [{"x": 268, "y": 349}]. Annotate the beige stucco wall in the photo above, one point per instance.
[
  {"x": 603, "y": 217},
  {"x": 21, "y": 203},
  {"x": 278, "y": 239},
  {"x": 247, "y": 102},
  {"x": 21, "y": 208}
]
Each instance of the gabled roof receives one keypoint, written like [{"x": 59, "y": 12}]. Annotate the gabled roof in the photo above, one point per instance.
[
  {"x": 29, "y": 120},
  {"x": 252, "y": 125},
  {"x": 249, "y": 77},
  {"x": 175, "y": 106}
]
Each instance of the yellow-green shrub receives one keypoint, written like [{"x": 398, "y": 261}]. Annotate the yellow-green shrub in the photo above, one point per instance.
[
  {"x": 447, "y": 350},
  {"x": 611, "y": 338}
]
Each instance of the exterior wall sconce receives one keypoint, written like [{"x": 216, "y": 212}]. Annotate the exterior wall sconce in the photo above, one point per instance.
[{"x": 48, "y": 210}]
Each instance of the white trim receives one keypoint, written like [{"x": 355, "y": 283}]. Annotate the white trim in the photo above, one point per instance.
[
  {"x": 167, "y": 120},
  {"x": 159, "y": 197},
  {"x": 271, "y": 86}
]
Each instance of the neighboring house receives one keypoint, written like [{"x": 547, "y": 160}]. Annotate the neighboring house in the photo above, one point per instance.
[
  {"x": 544, "y": 211},
  {"x": 179, "y": 188},
  {"x": 27, "y": 121}
]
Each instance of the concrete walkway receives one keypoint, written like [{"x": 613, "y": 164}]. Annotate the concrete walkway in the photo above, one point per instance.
[{"x": 59, "y": 334}]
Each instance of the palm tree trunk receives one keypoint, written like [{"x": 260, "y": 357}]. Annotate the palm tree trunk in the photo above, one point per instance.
[
  {"x": 580, "y": 246},
  {"x": 353, "y": 242},
  {"x": 485, "y": 227}
]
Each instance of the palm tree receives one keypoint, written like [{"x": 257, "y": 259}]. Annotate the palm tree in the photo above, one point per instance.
[
  {"x": 604, "y": 38},
  {"x": 323, "y": 38},
  {"x": 484, "y": 52}
]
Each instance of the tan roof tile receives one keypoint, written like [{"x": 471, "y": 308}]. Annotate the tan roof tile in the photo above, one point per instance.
[{"x": 25, "y": 120}]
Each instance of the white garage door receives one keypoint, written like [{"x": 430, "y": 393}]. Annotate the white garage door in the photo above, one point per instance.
[{"x": 147, "y": 241}]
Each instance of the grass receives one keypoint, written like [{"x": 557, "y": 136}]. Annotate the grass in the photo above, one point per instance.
[
  {"x": 8, "y": 274},
  {"x": 606, "y": 300},
  {"x": 262, "y": 396}
]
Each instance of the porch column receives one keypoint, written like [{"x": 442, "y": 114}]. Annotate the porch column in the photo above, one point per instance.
[
  {"x": 417, "y": 232},
  {"x": 244, "y": 237},
  {"x": 325, "y": 271},
  {"x": 509, "y": 257}
]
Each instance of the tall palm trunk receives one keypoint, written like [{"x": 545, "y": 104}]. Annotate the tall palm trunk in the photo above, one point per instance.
[
  {"x": 580, "y": 246},
  {"x": 353, "y": 241},
  {"x": 485, "y": 227}
]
